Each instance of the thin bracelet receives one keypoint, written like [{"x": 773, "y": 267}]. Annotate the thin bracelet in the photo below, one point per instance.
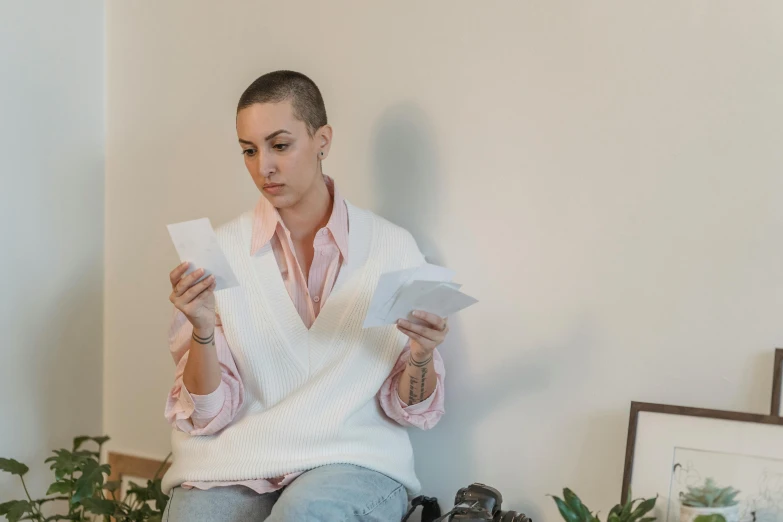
[
  {"x": 199, "y": 338},
  {"x": 204, "y": 340},
  {"x": 419, "y": 364}
]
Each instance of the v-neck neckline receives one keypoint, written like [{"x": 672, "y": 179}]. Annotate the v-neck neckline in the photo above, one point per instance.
[{"x": 268, "y": 274}]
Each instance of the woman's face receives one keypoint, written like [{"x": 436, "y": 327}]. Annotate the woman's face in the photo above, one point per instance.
[{"x": 280, "y": 156}]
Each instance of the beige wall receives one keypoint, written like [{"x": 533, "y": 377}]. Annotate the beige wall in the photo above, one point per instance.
[
  {"x": 604, "y": 177},
  {"x": 51, "y": 215}
]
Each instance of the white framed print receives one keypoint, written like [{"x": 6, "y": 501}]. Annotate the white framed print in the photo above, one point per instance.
[{"x": 671, "y": 449}]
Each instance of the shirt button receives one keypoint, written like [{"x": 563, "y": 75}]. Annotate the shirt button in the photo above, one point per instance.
[
  {"x": 316, "y": 298},
  {"x": 324, "y": 231}
]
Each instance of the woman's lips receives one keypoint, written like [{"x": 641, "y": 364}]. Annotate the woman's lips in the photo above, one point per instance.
[{"x": 273, "y": 188}]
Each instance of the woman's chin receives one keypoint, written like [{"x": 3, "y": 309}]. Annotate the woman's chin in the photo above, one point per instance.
[{"x": 280, "y": 200}]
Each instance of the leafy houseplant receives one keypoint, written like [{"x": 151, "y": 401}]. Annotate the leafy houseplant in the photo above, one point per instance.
[
  {"x": 709, "y": 503},
  {"x": 572, "y": 509},
  {"x": 80, "y": 480}
]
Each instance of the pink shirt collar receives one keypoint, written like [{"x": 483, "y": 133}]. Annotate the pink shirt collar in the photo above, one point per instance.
[{"x": 266, "y": 219}]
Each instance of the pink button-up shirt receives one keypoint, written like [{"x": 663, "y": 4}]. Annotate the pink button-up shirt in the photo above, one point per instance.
[{"x": 208, "y": 414}]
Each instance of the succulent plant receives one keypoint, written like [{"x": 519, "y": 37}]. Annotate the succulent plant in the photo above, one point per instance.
[
  {"x": 573, "y": 510},
  {"x": 709, "y": 495}
]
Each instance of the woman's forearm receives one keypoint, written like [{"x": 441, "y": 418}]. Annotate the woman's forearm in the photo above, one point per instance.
[
  {"x": 418, "y": 380},
  {"x": 202, "y": 371}
]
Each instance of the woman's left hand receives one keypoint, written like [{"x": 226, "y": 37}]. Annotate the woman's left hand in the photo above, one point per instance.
[{"x": 426, "y": 332}]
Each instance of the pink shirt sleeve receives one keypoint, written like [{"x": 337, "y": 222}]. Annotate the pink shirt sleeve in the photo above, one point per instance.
[
  {"x": 423, "y": 415},
  {"x": 202, "y": 414}
]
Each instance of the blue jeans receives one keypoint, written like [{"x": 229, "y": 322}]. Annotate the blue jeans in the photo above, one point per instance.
[{"x": 333, "y": 493}]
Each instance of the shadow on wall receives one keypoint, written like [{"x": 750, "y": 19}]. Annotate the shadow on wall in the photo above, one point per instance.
[
  {"x": 407, "y": 183},
  {"x": 405, "y": 174},
  {"x": 460, "y": 450}
]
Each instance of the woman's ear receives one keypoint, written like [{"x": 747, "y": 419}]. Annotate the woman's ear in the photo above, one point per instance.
[{"x": 325, "y": 136}]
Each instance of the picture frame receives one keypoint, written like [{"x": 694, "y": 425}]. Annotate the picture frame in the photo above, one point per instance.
[
  {"x": 777, "y": 382},
  {"x": 670, "y": 448},
  {"x": 127, "y": 468}
]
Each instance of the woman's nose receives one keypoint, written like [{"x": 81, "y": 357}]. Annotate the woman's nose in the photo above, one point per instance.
[{"x": 266, "y": 165}]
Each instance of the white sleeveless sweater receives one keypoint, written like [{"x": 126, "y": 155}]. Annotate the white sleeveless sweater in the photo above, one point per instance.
[{"x": 310, "y": 395}]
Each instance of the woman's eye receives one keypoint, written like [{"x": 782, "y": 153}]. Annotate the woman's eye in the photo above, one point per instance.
[
  {"x": 281, "y": 146},
  {"x": 249, "y": 152}
]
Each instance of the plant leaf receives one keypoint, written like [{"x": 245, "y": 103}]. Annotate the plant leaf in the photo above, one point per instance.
[
  {"x": 17, "y": 509},
  {"x": 575, "y": 503},
  {"x": 644, "y": 508},
  {"x": 85, "y": 455},
  {"x": 710, "y": 496},
  {"x": 63, "y": 486},
  {"x": 730, "y": 498},
  {"x": 78, "y": 441},
  {"x": 566, "y": 512},
  {"x": 5, "y": 506},
  {"x": 101, "y": 440},
  {"x": 726, "y": 497},
  {"x": 155, "y": 492},
  {"x": 14, "y": 467},
  {"x": 63, "y": 463},
  {"x": 99, "y": 506},
  {"x": 626, "y": 512},
  {"x": 91, "y": 478}
]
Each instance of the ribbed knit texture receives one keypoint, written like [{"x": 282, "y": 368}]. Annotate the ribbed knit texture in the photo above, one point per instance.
[{"x": 310, "y": 395}]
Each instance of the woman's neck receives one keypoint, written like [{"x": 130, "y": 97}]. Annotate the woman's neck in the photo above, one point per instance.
[{"x": 311, "y": 213}]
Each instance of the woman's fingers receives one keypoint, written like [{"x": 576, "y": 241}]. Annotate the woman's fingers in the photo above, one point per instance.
[
  {"x": 195, "y": 291},
  {"x": 416, "y": 337},
  {"x": 437, "y": 322},
  {"x": 176, "y": 274},
  {"x": 426, "y": 332},
  {"x": 413, "y": 320},
  {"x": 429, "y": 330},
  {"x": 186, "y": 282}
]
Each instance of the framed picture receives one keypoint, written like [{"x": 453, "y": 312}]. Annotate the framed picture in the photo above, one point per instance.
[
  {"x": 777, "y": 377},
  {"x": 673, "y": 448},
  {"x": 130, "y": 468}
]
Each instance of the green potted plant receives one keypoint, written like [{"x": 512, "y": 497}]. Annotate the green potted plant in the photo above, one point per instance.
[
  {"x": 709, "y": 503},
  {"x": 84, "y": 494},
  {"x": 572, "y": 509}
]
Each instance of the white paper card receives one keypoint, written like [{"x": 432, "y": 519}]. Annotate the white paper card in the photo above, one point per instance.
[
  {"x": 443, "y": 301},
  {"x": 399, "y": 293},
  {"x": 197, "y": 243},
  {"x": 408, "y": 296}
]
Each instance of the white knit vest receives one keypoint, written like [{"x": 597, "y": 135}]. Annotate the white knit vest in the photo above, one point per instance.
[{"x": 310, "y": 395}]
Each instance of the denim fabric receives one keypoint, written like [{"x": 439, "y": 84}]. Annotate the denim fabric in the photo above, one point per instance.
[{"x": 333, "y": 493}]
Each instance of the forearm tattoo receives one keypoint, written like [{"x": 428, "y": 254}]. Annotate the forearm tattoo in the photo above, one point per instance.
[
  {"x": 416, "y": 386},
  {"x": 413, "y": 398},
  {"x": 205, "y": 340}
]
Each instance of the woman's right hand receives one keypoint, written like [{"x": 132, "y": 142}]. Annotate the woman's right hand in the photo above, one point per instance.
[{"x": 195, "y": 300}]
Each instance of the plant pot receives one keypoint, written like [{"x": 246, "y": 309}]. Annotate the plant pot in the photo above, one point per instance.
[{"x": 709, "y": 514}]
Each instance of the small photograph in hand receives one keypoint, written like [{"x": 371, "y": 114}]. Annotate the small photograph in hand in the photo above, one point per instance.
[{"x": 196, "y": 242}]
